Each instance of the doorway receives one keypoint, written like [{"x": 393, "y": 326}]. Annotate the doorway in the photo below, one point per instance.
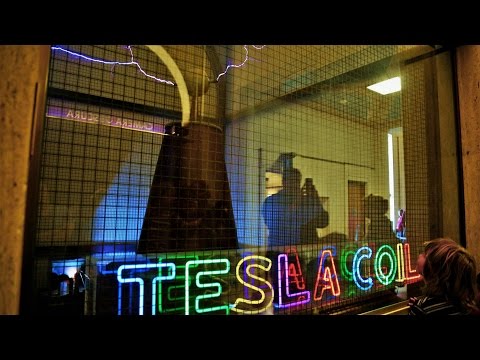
[{"x": 356, "y": 210}]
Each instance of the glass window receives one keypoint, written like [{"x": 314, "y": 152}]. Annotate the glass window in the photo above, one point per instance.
[{"x": 255, "y": 179}]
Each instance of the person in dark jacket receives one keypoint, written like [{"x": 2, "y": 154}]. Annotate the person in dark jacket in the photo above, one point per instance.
[
  {"x": 380, "y": 227},
  {"x": 291, "y": 216}
]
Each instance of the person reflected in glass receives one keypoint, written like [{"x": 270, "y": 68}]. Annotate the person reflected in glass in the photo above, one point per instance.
[
  {"x": 400, "y": 227},
  {"x": 379, "y": 227},
  {"x": 293, "y": 214}
]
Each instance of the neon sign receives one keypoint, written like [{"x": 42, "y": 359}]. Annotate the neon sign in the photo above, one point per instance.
[
  {"x": 250, "y": 274},
  {"x": 327, "y": 278},
  {"x": 141, "y": 283},
  {"x": 284, "y": 278},
  {"x": 203, "y": 283}
]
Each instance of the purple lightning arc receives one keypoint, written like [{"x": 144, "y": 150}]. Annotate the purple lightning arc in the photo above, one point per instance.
[
  {"x": 133, "y": 62},
  {"x": 242, "y": 63}
]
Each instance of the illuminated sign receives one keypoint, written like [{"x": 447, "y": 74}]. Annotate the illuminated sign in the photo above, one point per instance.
[
  {"x": 141, "y": 283},
  {"x": 290, "y": 273},
  {"x": 204, "y": 283},
  {"x": 77, "y": 113}
]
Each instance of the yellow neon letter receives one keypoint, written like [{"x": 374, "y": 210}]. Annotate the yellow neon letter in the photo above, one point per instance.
[{"x": 241, "y": 281}]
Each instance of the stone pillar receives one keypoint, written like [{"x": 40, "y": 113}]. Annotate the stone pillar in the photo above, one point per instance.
[
  {"x": 414, "y": 114},
  {"x": 23, "y": 74},
  {"x": 468, "y": 66},
  {"x": 448, "y": 156}
]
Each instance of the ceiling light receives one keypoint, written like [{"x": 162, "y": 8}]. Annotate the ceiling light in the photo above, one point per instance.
[{"x": 387, "y": 87}]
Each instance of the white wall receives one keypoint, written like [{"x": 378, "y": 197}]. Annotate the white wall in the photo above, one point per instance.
[{"x": 307, "y": 132}]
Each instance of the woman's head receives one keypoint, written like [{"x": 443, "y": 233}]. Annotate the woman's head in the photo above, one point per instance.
[{"x": 449, "y": 270}]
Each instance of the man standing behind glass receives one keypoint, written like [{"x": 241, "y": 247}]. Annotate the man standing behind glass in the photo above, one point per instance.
[{"x": 290, "y": 211}]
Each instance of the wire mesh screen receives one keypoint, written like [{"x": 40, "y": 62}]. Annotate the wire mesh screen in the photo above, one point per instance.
[{"x": 256, "y": 179}]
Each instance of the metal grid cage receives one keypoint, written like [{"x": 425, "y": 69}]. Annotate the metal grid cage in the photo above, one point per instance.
[{"x": 165, "y": 173}]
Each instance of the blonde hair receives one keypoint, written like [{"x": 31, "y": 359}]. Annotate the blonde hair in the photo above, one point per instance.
[{"x": 450, "y": 271}]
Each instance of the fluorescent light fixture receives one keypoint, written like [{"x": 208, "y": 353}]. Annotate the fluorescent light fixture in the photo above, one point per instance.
[
  {"x": 387, "y": 87},
  {"x": 391, "y": 179}
]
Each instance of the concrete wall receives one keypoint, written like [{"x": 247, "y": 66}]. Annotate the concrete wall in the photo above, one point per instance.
[
  {"x": 448, "y": 148},
  {"x": 468, "y": 62},
  {"x": 23, "y": 72}
]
